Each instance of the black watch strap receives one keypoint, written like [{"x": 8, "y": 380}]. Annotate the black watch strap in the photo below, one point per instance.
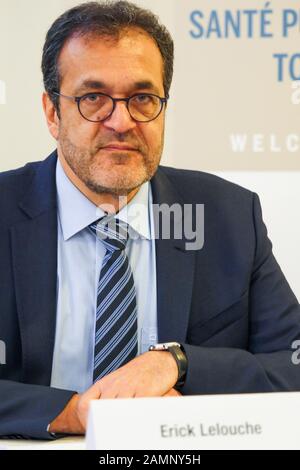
[
  {"x": 181, "y": 361},
  {"x": 177, "y": 351}
]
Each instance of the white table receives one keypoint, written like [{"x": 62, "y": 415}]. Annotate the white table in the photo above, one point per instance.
[{"x": 66, "y": 443}]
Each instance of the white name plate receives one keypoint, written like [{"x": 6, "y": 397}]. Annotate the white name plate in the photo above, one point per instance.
[{"x": 246, "y": 421}]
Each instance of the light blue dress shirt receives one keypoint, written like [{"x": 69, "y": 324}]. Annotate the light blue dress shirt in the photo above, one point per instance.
[{"x": 79, "y": 261}]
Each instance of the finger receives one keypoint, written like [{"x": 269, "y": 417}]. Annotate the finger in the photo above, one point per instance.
[
  {"x": 126, "y": 393},
  {"x": 172, "y": 393},
  {"x": 94, "y": 392},
  {"x": 109, "y": 392}
]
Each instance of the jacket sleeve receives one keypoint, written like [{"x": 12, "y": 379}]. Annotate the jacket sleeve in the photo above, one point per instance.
[
  {"x": 274, "y": 324},
  {"x": 26, "y": 410}
]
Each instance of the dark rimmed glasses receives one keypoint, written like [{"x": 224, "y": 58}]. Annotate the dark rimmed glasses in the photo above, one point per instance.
[{"x": 96, "y": 107}]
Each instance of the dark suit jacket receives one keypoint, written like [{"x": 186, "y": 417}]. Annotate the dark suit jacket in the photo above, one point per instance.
[{"x": 228, "y": 303}]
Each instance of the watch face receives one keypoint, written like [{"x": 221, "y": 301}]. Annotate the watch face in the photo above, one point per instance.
[
  {"x": 172, "y": 344},
  {"x": 164, "y": 346}
]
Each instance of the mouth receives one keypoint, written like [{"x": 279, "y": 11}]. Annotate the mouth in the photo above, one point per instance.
[{"x": 119, "y": 148}]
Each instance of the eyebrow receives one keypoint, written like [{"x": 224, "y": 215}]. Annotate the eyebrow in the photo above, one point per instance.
[{"x": 98, "y": 85}]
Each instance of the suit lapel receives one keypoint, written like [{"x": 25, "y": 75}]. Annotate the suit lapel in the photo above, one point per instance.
[
  {"x": 34, "y": 253},
  {"x": 174, "y": 266}
]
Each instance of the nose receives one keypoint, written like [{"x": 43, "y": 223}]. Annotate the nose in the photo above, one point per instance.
[{"x": 120, "y": 120}]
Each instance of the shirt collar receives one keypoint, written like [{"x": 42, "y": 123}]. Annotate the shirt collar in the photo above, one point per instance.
[{"x": 77, "y": 212}]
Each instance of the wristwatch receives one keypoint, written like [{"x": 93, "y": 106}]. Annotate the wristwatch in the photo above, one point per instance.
[{"x": 177, "y": 351}]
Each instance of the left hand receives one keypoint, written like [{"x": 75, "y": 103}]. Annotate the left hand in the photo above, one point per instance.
[
  {"x": 149, "y": 375},
  {"x": 152, "y": 374},
  {"x": 173, "y": 393}
]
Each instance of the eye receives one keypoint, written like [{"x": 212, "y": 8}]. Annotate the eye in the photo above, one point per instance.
[
  {"x": 91, "y": 98},
  {"x": 143, "y": 99}
]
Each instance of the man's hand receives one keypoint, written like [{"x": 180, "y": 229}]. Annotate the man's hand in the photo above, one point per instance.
[
  {"x": 151, "y": 374},
  {"x": 173, "y": 393}
]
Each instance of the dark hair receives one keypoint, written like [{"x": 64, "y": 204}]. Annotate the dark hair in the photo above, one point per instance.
[{"x": 107, "y": 18}]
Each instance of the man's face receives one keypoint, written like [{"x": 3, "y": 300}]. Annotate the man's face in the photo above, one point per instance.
[{"x": 117, "y": 155}]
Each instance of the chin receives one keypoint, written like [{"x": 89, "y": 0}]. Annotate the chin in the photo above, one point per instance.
[
  {"x": 115, "y": 186},
  {"x": 121, "y": 177}
]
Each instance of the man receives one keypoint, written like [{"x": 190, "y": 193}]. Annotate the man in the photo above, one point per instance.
[{"x": 83, "y": 298}]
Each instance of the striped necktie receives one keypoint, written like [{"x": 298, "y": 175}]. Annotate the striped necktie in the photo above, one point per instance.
[{"x": 116, "y": 313}]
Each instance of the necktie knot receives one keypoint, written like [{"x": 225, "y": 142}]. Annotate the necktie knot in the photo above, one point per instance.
[{"x": 112, "y": 232}]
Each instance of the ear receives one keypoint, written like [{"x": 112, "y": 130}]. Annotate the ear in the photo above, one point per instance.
[{"x": 51, "y": 115}]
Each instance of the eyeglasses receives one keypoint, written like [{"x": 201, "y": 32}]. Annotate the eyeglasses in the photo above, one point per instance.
[{"x": 96, "y": 107}]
